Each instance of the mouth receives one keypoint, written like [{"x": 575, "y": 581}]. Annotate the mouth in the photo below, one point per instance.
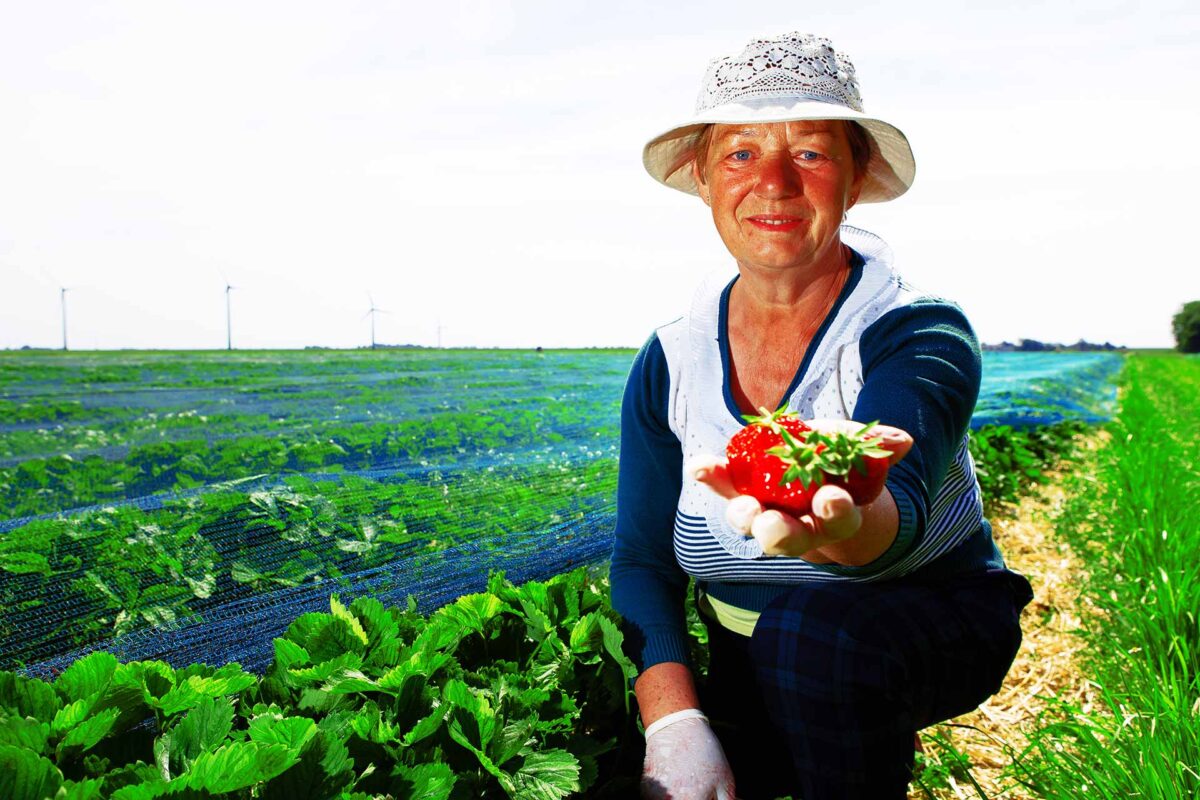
[{"x": 775, "y": 222}]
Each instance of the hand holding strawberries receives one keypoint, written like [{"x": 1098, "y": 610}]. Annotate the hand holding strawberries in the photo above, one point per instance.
[{"x": 796, "y": 486}]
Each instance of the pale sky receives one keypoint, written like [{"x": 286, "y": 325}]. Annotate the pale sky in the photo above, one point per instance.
[{"x": 478, "y": 165}]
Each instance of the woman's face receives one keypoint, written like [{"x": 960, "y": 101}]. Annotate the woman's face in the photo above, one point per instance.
[{"x": 778, "y": 191}]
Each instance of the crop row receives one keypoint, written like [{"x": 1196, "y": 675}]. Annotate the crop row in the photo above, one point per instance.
[
  {"x": 44, "y": 486},
  {"x": 56, "y": 403},
  {"x": 105, "y": 429},
  {"x": 152, "y": 416},
  {"x": 45, "y": 374},
  {"x": 71, "y": 582},
  {"x": 105, "y": 437}
]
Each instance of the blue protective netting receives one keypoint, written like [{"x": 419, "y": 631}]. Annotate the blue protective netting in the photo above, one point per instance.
[
  {"x": 243, "y": 630},
  {"x": 271, "y": 549},
  {"x": 1023, "y": 389},
  {"x": 383, "y": 470},
  {"x": 212, "y": 573}
]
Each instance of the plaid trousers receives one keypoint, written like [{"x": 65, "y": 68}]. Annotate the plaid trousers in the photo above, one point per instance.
[{"x": 822, "y": 701}]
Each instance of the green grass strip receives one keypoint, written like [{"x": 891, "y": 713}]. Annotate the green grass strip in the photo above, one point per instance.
[{"x": 1133, "y": 516}]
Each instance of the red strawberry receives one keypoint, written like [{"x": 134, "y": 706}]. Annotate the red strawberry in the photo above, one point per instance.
[
  {"x": 781, "y": 461},
  {"x": 865, "y": 480},
  {"x": 794, "y": 496},
  {"x": 753, "y": 470}
]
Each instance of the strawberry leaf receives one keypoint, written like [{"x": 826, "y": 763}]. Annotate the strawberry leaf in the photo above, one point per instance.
[
  {"x": 861, "y": 432},
  {"x": 87, "y": 734},
  {"x": 202, "y": 729},
  {"x": 424, "y": 781},
  {"x": 547, "y": 775},
  {"x": 238, "y": 765},
  {"x": 25, "y": 775},
  {"x": 86, "y": 676},
  {"x": 28, "y": 697}
]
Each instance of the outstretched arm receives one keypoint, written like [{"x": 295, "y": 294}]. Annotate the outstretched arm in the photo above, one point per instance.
[
  {"x": 921, "y": 374},
  {"x": 837, "y": 530}
]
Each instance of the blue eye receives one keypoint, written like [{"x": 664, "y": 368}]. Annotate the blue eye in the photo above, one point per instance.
[
  {"x": 741, "y": 155},
  {"x": 809, "y": 155}
]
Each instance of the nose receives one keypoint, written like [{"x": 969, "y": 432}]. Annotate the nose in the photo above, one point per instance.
[{"x": 778, "y": 176}]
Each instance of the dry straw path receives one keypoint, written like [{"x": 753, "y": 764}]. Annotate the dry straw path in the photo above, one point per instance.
[{"x": 1047, "y": 662}]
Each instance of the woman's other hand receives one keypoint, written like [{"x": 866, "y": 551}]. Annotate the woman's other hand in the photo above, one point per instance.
[
  {"x": 834, "y": 516},
  {"x": 684, "y": 761}
]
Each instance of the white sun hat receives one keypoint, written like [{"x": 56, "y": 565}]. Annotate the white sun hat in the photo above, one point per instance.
[{"x": 796, "y": 76}]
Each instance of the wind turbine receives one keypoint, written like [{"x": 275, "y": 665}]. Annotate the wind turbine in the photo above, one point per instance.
[
  {"x": 62, "y": 290},
  {"x": 228, "y": 315},
  {"x": 372, "y": 314},
  {"x": 62, "y": 297}
]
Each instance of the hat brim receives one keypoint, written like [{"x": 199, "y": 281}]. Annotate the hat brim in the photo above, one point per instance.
[{"x": 890, "y": 169}]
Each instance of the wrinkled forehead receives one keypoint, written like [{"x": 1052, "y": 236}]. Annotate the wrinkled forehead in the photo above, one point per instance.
[{"x": 803, "y": 127}]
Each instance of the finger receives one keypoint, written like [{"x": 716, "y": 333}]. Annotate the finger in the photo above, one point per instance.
[
  {"x": 778, "y": 533},
  {"x": 741, "y": 512},
  {"x": 713, "y": 473},
  {"x": 835, "y": 513},
  {"x": 893, "y": 439},
  {"x": 897, "y": 440}
]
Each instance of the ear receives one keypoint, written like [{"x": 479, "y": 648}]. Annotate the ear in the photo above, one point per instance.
[
  {"x": 855, "y": 191},
  {"x": 701, "y": 186}
]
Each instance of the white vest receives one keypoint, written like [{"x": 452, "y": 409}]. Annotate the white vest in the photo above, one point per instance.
[{"x": 705, "y": 545}]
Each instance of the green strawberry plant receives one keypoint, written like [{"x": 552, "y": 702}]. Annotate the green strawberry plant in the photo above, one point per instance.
[
  {"x": 120, "y": 568},
  {"x": 512, "y": 692}
]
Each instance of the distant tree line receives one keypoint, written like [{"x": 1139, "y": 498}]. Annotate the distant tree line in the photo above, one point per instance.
[
  {"x": 1034, "y": 346},
  {"x": 1185, "y": 325}
]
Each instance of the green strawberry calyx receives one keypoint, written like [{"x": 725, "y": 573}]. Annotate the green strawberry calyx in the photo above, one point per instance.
[
  {"x": 814, "y": 454},
  {"x": 769, "y": 419}
]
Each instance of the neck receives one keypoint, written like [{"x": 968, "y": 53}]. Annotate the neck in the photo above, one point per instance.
[{"x": 810, "y": 290}]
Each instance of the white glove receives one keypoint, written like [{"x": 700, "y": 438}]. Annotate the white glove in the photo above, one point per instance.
[{"x": 684, "y": 760}]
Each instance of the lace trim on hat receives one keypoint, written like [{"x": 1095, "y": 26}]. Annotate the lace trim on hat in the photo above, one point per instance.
[{"x": 786, "y": 66}]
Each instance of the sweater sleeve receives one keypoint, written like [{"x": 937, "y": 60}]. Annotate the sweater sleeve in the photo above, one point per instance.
[
  {"x": 648, "y": 587},
  {"x": 922, "y": 368}
]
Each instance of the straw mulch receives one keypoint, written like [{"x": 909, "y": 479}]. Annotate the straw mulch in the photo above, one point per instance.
[{"x": 1047, "y": 662}]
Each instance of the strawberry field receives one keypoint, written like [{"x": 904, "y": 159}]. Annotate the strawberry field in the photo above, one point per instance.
[{"x": 194, "y": 513}]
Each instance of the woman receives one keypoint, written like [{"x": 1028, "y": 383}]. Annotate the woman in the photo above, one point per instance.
[{"x": 835, "y": 636}]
